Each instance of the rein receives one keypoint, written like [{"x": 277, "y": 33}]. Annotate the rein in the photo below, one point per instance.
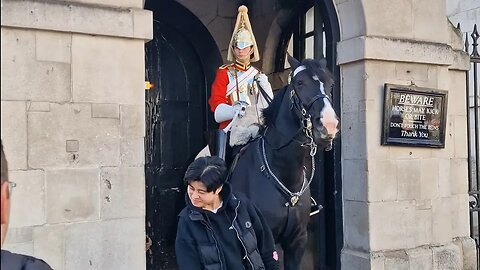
[{"x": 294, "y": 196}]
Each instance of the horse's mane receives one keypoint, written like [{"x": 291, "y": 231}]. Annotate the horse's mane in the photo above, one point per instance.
[{"x": 270, "y": 113}]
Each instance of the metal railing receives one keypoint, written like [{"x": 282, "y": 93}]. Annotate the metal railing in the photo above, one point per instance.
[{"x": 473, "y": 136}]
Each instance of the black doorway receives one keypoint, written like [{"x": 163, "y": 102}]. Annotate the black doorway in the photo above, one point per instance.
[{"x": 176, "y": 115}]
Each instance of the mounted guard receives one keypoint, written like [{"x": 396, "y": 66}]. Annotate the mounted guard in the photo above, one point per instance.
[{"x": 240, "y": 91}]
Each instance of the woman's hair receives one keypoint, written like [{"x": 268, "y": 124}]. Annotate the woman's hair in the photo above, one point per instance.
[{"x": 211, "y": 171}]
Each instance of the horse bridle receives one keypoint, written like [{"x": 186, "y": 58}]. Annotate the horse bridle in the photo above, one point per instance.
[{"x": 303, "y": 114}]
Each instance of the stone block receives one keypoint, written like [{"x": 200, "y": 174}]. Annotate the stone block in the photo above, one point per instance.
[
  {"x": 377, "y": 261},
  {"x": 51, "y": 81},
  {"x": 396, "y": 260},
  {"x": 94, "y": 19},
  {"x": 132, "y": 152},
  {"x": 357, "y": 227},
  {"x": 14, "y": 133},
  {"x": 406, "y": 50},
  {"x": 412, "y": 72},
  {"x": 28, "y": 199},
  {"x": 132, "y": 120},
  {"x": 122, "y": 80},
  {"x": 447, "y": 257},
  {"x": 458, "y": 174},
  {"x": 355, "y": 172},
  {"x": 423, "y": 224},
  {"x": 442, "y": 226},
  {"x": 392, "y": 22},
  {"x": 382, "y": 180},
  {"x": 17, "y": 235},
  {"x": 25, "y": 248},
  {"x": 443, "y": 176},
  {"x": 460, "y": 215},
  {"x": 105, "y": 245},
  {"x": 425, "y": 14},
  {"x": 351, "y": 259},
  {"x": 72, "y": 195},
  {"x": 53, "y": 46},
  {"x": 409, "y": 179},
  {"x": 142, "y": 24},
  {"x": 353, "y": 137},
  {"x": 354, "y": 87},
  {"x": 456, "y": 93},
  {"x": 429, "y": 178},
  {"x": 122, "y": 192},
  {"x": 105, "y": 111},
  {"x": 353, "y": 21},
  {"x": 374, "y": 135},
  {"x": 441, "y": 78},
  {"x": 399, "y": 153},
  {"x": 112, "y": 3},
  {"x": 459, "y": 131},
  {"x": 98, "y": 138},
  {"x": 38, "y": 106},
  {"x": 392, "y": 225},
  {"x": 49, "y": 245},
  {"x": 420, "y": 258},
  {"x": 468, "y": 251}
]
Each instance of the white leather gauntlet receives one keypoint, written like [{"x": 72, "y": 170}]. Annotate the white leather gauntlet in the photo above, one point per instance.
[
  {"x": 224, "y": 112},
  {"x": 265, "y": 84}
]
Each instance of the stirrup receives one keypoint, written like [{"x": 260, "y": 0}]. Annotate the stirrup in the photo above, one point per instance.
[{"x": 314, "y": 207}]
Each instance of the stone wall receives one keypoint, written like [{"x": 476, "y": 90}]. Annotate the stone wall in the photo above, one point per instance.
[
  {"x": 404, "y": 207},
  {"x": 72, "y": 124}
]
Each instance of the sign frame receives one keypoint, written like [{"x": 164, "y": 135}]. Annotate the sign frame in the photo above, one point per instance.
[{"x": 415, "y": 132}]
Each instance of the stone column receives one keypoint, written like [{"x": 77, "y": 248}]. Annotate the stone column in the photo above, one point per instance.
[
  {"x": 404, "y": 207},
  {"x": 73, "y": 129}
]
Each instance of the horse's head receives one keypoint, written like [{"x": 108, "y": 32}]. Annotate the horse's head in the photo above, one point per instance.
[{"x": 311, "y": 84}]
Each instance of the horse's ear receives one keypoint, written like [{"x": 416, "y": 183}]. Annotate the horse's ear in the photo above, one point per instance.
[{"x": 294, "y": 63}]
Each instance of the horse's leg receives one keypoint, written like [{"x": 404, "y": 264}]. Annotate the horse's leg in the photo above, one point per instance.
[{"x": 294, "y": 248}]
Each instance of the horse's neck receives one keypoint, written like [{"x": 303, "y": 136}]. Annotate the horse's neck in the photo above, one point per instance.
[
  {"x": 288, "y": 165},
  {"x": 288, "y": 160}
]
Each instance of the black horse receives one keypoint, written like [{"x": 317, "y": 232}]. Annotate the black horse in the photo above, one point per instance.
[{"x": 275, "y": 170}]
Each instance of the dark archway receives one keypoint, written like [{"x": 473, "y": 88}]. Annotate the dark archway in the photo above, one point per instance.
[
  {"x": 181, "y": 69},
  {"x": 317, "y": 37}
]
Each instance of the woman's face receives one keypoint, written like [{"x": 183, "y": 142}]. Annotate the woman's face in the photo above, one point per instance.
[
  {"x": 243, "y": 55},
  {"x": 197, "y": 192}
]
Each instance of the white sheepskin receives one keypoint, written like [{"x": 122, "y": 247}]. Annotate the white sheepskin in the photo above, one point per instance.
[{"x": 245, "y": 128}]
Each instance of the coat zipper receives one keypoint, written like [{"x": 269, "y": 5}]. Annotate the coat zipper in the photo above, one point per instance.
[
  {"x": 216, "y": 243},
  {"x": 238, "y": 236}
]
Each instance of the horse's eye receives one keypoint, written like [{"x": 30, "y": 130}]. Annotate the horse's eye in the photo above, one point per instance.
[{"x": 299, "y": 83}]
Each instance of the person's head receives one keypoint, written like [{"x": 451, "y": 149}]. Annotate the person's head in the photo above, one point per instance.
[
  {"x": 243, "y": 47},
  {"x": 204, "y": 179},
  {"x": 5, "y": 194}
]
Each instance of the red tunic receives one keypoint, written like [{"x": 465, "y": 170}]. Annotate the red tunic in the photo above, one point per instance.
[{"x": 219, "y": 92}]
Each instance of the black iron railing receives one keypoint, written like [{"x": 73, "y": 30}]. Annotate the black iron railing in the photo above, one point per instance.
[{"x": 473, "y": 136}]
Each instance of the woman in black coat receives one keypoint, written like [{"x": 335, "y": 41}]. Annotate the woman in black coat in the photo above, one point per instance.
[{"x": 218, "y": 230}]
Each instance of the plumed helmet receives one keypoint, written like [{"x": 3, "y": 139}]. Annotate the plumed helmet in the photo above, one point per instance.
[{"x": 243, "y": 36}]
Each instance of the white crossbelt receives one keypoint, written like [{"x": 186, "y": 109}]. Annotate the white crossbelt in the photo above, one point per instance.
[{"x": 242, "y": 79}]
